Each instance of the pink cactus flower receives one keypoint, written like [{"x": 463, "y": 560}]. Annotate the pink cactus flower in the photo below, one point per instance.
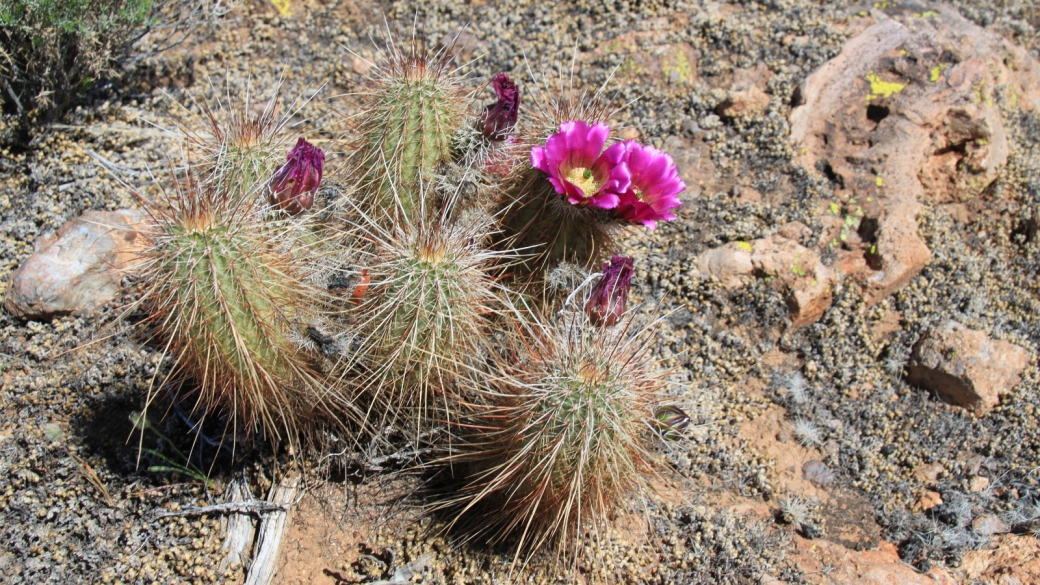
[
  {"x": 609, "y": 296},
  {"x": 499, "y": 118},
  {"x": 655, "y": 184},
  {"x": 579, "y": 168},
  {"x": 294, "y": 184}
]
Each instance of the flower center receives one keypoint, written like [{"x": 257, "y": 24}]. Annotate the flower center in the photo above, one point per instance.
[{"x": 583, "y": 179}]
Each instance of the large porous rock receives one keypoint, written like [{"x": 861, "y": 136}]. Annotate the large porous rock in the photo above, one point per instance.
[
  {"x": 792, "y": 269},
  {"x": 77, "y": 269},
  {"x": 966, "y": 367},
  {"x": 906, "y": 114}
]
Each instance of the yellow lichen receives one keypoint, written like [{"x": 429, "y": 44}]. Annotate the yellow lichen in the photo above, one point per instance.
[
  {"x": 680, "y": 64},
  {"x": 744, "y": 246},
  {"x": 882, "y": 88},
  {"x": 284, "y": 7},
  {"x": 936, "y": 72},
  {"x": 879, "y": 181}
]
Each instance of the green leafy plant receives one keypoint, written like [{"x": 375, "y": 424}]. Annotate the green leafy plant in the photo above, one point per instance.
[
  {"x": 187, "y": 469},
  {"x": 52, "y": 50}
]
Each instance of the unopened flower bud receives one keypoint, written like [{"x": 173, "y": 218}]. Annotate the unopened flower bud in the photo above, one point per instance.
[
  {"x": 499, "y": 118},
  {"x": 294, "y": 184},
  {"x": 673, "y": 419},
  {"x": 609, "y": 296}
]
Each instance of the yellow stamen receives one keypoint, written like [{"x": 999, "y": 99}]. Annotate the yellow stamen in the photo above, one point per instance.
[{"x": 585, "y": 180}]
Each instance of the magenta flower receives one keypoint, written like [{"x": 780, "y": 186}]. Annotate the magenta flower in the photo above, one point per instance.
[
  {"x": 294, "y": 184},
  {"x": 609, "y": 296},
  {"x": 499, "y": 118},
  {"x": 579, "y": 168},
  {"x": 652, "y": 194}
]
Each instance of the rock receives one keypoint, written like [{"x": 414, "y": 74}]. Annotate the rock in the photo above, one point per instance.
[
  {"x": 966, "y": 367},
  {"x": 693, "y": 161},
  {"x": 905, "y": 114},
  {"x": 818, "y": 473},
  {"x": 929, "y": 500},
  {"x": 743, "y": 102},
  {"x": 988, "y": 525},
  {"x": 848, "y": 520},
  {"x": 671, "y": 68},
  {"x": 1013, "y": 559},
  {"x": 978, "y": 484},
  {"x": 793, "y": 269},
  {"x": 79, "y": 268},
  {"x": 795, "y": 231},
  {"x": 929, "y": 474},
  {"x": 729, "y": 263},
  {"x": 880, "y": 566}
]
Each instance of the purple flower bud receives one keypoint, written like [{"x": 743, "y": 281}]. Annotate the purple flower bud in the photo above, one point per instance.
[
  {"x": 294, "y": 184},
  {"x": 610, "y": 295},
  {"x": 498, "y": 118},
  {"x": 673, "y": 417},
  {"x": 673, "y": 420}
]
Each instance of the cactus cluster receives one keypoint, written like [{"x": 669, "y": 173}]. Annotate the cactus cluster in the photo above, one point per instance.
[{"x": 421, "y": 304}]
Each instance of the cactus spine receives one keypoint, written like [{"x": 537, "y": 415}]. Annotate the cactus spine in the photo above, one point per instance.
[
  {"x": 562, "y": 436},
  {"x": 411, "y": 112},
  {"x": 226, "y": 296},
  {"x": 240, "y": 149},
  {"x": 426, "y": 317}
]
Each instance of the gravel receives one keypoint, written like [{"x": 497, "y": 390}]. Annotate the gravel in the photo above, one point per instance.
[{"x": 76, "y": 502}]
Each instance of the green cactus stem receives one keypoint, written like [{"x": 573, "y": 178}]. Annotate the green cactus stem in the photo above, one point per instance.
[
  {"x": 539, "y": 221},
  {"x": 424, "y": 317},
  {"x": 563, "y": 436},
  {"x": 227, "y": 297},
  {"x": 410, "y": 113}
]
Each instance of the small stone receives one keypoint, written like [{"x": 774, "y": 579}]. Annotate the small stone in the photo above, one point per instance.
[
  {"x": 988, "y": 525},
  {"x": 52, "y": 431},
  {"x": 79, "y": 268},
  {"x": 818, "y": 473},
  {"x": 783, "y": 436},
  {"x": 966, "y": 367},
  {"x": 929, "y": 500},
  {"x": 360, "y": 65},
  {"x": 630, "y": 133},
  {"x": 794, "y": 270},
  {"x": 929, "y": 474},
  {"x": 978, "y": 484},
  {"x": 744, "y": 102}
]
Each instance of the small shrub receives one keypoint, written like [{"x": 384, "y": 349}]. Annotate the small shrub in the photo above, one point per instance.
[{"x": 52, "y": 51}]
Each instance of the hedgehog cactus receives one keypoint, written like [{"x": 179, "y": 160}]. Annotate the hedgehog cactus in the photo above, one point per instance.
[
  {"x": 425, "y": 312},
  {"x": 227, "y": 293},
  {"x": 411, "y": 111},
  {"x": 564, "y": 435},
  {"x": 240, "y": 149},
  {"x": 579, "y": 193}
]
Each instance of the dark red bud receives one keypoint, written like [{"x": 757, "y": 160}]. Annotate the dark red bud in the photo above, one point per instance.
[
  {"x": 609, "y": 296},
  {"x": 499, "y": 118},
  {"x": 294, "y": 184}
]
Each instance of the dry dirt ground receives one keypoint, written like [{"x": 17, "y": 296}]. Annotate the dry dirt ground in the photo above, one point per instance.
[{"x": 740, "y": 500}]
